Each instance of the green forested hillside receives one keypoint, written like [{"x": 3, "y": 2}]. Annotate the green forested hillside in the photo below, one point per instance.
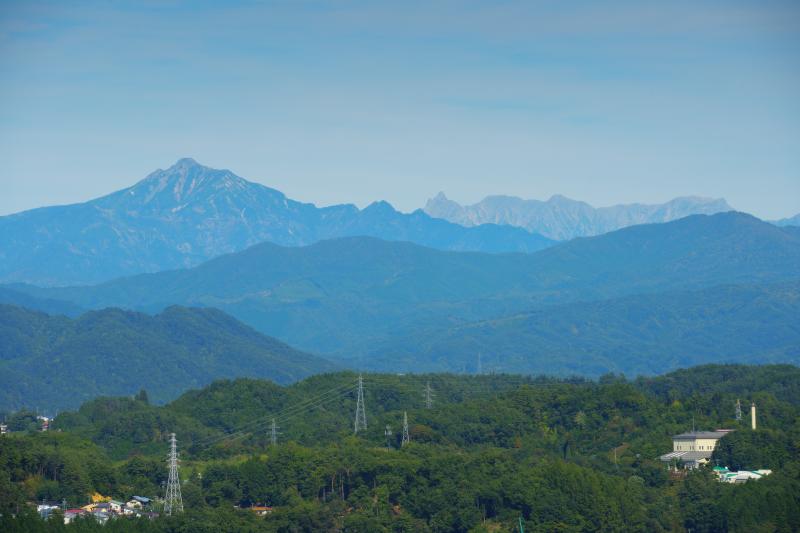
[
  {"x": 360, "y": 293},
  {"x": 54, "y": 362},
  {"x": 637, "y": 335},
  {"x": 562, "y": 455}
]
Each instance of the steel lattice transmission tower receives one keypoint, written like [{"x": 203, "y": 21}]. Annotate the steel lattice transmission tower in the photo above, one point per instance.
[
  {"x": 173, "y": 503},
  {"x": 361, "y": 415},
  {"x": 406, "y": 436},
  {"x": 273, "y": 433},
  {"x": 388, "y": 433},
  {"x": 738, "y": 410},
  {"x": 428, "y": 395}
]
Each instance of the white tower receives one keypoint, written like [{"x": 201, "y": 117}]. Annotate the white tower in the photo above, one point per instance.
[
  {"x": 428, "y": 396},
  {"x": 753, "y": 415},
  {"x": 406, "y": 436},
  {"x": 173, "y": 503},
  {"x": 273, "y": 433},
  {"x": 361, "y": 414}
]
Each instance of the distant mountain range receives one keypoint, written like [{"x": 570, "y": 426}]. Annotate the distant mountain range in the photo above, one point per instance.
[
  {"x": 189, "y": 213},
  {"x": 345, "y": 297},
  {"x": 561, "y": 218},
  {"x": 791, "y": 221},
  {"x": 53, "y": 362}
]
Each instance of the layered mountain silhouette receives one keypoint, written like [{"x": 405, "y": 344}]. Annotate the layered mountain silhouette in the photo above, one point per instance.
[
  {"x": 190, "y": 213},
  {"x": 54, "y": 362},
  {"x": 344, "y": 297},
  {"x": 561, "y": 218}
]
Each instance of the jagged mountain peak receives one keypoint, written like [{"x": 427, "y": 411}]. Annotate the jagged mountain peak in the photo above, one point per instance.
[
  {"x": 563, "y": 218},
  {"x": 185, "y": 180}
]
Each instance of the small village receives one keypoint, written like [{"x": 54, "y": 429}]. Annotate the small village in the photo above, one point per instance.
[{"x": 102, "y": 509}]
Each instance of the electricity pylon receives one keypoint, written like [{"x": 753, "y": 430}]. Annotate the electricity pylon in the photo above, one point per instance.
[
  {"x": 361, "y": 414},
  {"x": 173, "y": 503},
  {"x": 406, "y": 436},
  {"x": 273, "y": 433},
  {"x": 388, "y": 433},
  {"x": 428, "y": 395},
  {"x": 738, "y": 410}
]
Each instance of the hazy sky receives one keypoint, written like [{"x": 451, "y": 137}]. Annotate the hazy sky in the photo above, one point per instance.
[{"x": 335, "y": 101}]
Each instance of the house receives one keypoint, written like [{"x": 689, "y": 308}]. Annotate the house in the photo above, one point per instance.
[
  {"x": 3, "y": 429},
  {"x": 694, "y": 448},
  {"x": 133, "y": 504},
  {"x": 100, "y": 516},
  {"x": 260, "y": 510},
  {"x": 46, "y": 509},
  {"x": 45, "y": 422},
  {"x": 141, "y": 500},
  {"x": 742, "y": 476},
  {"x": 115, "y": 506},
  {"x": 70, "y": 514}
]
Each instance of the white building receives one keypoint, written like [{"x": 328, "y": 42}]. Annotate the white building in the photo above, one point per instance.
[
  {"x": 694, "y": 448},
  {"x": 742, "y": 476}
]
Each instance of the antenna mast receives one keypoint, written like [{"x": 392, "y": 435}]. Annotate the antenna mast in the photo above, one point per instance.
[
  {"x": 406, "y": 436},
  {"x": 361, "y": 415},
  {"x": 173, "y": 503}
]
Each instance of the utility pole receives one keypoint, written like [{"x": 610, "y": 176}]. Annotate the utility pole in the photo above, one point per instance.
[
  {"x": 361, "y": 415},
  {"x": 428, "y": 395},
  {"x": 406, "y": 436},
  {"x": 173, "y": 503},
  {"x": 273, "y": 434},
  {"x": 388, "y": 433}
]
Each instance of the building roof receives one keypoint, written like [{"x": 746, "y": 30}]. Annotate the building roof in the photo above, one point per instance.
[
  {"x": 685, "y": 457},
  {"x": 701, "y": 435}
]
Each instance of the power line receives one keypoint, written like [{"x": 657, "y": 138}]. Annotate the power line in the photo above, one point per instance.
[
  {"x": 361, "y": 415},
  {"x": 286, "y": 412},
  {"x": 273, "y": 434},
  {"x": 173, "y": 503}
]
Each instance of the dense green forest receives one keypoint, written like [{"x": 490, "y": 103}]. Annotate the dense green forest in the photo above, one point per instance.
[
  {"x": 485, "y": 452},
  {"x": 639, "y": 334},
  {"x": 55, "y": 362}
]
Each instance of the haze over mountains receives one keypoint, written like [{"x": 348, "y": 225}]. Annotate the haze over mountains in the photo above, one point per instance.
[
  {"x": 53, "y": 362},
  {"x": 357, "y": 298},
  {"x": 190, "y": 213},
  {"x": 378, "y": 289},
  {"x": 637, "y": 335},
  {"x": 561, "y": 218}
]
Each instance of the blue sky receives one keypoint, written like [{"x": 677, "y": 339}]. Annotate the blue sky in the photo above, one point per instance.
[{"x": 330, "y": 102}]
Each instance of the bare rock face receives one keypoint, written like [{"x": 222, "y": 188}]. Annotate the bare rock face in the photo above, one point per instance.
[{"x": 561, "y": 218}]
